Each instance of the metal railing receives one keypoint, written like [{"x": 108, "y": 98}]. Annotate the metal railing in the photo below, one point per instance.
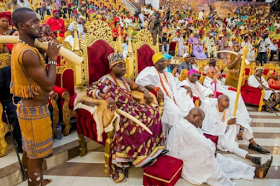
[{"x": 130, "y": 6}]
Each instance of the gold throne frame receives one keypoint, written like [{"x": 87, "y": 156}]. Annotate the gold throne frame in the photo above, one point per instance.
[{"x": 96, "y": 30}]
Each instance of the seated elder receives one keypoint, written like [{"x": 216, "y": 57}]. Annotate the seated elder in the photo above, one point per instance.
[
  {"x": 274, "y": 81},
  {"x": 131, "y": 143},
  {"x": 271, "y": 97}
]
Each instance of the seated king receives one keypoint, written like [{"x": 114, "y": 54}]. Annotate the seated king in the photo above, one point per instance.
[{"x": 131, "y": 143}]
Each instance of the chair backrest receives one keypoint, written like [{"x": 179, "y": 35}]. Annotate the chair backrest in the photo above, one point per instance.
[
  {"x": 95, "y": 47},
  {"x": 144, "y": 51}
]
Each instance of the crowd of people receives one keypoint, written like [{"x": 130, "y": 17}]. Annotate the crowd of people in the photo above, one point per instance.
[{"x": 188, "y": 131}]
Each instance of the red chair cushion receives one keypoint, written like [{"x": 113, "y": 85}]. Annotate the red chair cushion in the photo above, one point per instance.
[
  {"x": 98, "y": 64},
  {"x": 166, "y": 171},
  {"x": 212, "y": 138},
  {"x": 251, "y": 95},
  {"x": 145, "y": 56},
  {"x": 247, "y": 71},
  {"x": 265, "y": 72},
  {"x": 68, "y": 81},
  {"x": 172, "y": 46},
  {"x": 87, "y": 126}
]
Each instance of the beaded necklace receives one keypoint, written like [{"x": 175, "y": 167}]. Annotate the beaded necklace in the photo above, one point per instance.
[
  {"x": 125, "y": 92},
  {"x": 162, "y": 84}
]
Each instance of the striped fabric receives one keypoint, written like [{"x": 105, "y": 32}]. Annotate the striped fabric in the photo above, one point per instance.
[{"x": 35, "y": 124}]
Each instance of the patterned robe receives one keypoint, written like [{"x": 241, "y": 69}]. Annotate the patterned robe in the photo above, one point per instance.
[
  {"x": 131, "y": 143},
  {"x": 182, "y": 47},
  {"x": 198, "y": 50}
]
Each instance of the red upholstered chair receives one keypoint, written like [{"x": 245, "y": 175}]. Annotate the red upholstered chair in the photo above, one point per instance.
[
  {"x": 251, "y": 95},
  {"x": 97, "y": 57},
  {"x": 95, "y": 49},
  {"x": 64, "y": 87},
  {"x": 173, "y": 47}
]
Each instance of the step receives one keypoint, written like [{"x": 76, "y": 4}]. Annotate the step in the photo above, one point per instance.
[{"x": 10, "y": 175}]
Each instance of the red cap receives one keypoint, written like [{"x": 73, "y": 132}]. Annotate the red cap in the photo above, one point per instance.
[
  {"x": 69, "y": 5},
  {"x": 54, "y": 11},
  {"x": 75, "y": 12},
  {"x": 179, "y": 32}
]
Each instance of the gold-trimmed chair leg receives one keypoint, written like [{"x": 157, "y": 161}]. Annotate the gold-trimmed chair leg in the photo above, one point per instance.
[
  {"x": 55, "y": 115},
  {"x": 107, "y": 150},
  {"x": 82, "y": 142}
]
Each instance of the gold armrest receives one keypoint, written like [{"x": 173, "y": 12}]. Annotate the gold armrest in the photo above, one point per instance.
[{"x": 261, "y": 101}]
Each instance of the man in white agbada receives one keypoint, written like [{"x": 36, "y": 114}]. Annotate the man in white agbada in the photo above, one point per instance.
[
  {"x": 204, "y": 94},
  {"x": 211, "y": 77},
  {"x": 201, "y": 163},
  {"x": 200, "y": 16},
  {"x": 155, "y": 79},
  {"x": 271, "y": 97},
  {"x": 219, "y": 121}
]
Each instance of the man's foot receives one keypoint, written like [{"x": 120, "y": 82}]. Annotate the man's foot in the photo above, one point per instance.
[
  {"x": 46, "y": 181},
  {"x": 257, "y": 160},
  {"x": 258, "y": 149},
  {"x": 165, "y": 151},
  {"x": 151, "y": 162},
  {"x": 262, "y": 171}
]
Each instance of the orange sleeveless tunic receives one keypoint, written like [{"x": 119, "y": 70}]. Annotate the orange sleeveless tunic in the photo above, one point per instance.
[{"x": 21, "y": 84}]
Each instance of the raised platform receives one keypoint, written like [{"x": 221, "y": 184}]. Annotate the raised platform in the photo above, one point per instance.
[{"x": 64, "y": 150}]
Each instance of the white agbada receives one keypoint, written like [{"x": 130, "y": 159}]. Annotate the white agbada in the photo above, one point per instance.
[
  {"x": 231, "y": 94},
  {"x": 253, "y": 82},
  {"x": 172, "y": 112},
  {"x": 206, "y": 102},
  {"x": 214, "y": 125},
  {"x": 186, "y": 142}
]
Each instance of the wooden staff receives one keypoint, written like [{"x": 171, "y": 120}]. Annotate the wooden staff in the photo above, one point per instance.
[
  {"x": 245, "y": 52},
  {"x": 71, "y": 56}
]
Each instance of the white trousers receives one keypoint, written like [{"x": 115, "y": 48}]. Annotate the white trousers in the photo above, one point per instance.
[{"x": 227, "y": 142}]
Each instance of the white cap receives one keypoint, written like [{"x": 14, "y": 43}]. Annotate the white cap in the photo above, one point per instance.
[{"x": 186, "y": 54}]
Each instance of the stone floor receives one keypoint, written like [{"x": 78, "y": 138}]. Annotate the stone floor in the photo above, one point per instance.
[{"x": 88, "y": 170}]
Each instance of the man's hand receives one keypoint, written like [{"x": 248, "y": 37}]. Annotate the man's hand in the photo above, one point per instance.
[
  {"x": 52, "y": 51},
  {"x": 232, "y": 121},
  {"x": 239, "y": 56},
  {"x": 52, "y": 95},
  {"x": 189, "y": 90},
  {"x": 260, "y": 87},
  {"x": 111, "y": 104},
  {"x": 211, "y": 96},
  {"x": 148, "y": 97},
  {"x": 160, "y": 95}
]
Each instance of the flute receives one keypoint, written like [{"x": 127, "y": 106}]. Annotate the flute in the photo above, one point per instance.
[{"x": 71, "y": 56}]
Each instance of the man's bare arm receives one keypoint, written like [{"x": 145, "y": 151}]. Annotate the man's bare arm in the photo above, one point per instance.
[{"x": 45, "y": 80}]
